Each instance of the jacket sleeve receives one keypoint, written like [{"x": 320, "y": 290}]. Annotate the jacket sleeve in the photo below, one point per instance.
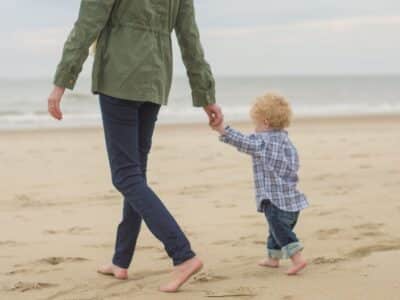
[
  {"x": 199, "y": 72},
  {"x": 93, "y": 16},
  {"x": 249, "y": 144}
]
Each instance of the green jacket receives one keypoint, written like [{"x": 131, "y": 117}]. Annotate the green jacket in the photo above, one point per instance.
[{"x": 133, "y": 58}]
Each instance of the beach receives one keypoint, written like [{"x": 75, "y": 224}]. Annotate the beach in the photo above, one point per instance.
[{"x": 59, "y": 213}]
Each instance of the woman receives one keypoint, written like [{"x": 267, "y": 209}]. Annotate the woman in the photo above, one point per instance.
[{"x": 132, "y": 74}]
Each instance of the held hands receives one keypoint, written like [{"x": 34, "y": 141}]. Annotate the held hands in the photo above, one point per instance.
[
  {"x": 54, "y": 102},
  {"x": 214, "y": 113},
  {"x": 216, "y": 118}
]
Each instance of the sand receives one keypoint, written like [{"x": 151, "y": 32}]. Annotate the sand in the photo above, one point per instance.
[{"x": 59, "y": 213}]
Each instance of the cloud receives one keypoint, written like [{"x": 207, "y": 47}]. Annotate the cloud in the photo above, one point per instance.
[{"x": 253, "y": 37}]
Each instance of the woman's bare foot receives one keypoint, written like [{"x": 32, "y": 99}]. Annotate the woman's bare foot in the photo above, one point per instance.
[
  {"x": 181, "y": 274},
  {"x": 299, "y": 263},
  {"x": 269, "y": 262},
  {"x": 114, "y": 270}
]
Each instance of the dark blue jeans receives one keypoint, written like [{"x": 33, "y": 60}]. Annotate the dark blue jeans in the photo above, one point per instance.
[
  {"x": 128, "y": 127},
  {"x": 282, "y": 242}
]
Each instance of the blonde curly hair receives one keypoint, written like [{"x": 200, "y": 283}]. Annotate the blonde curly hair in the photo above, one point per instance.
[{"x": 273, "y": 108}]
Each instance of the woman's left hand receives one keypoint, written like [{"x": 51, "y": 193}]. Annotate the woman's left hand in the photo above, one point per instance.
[{"x": 54, "y": 101}]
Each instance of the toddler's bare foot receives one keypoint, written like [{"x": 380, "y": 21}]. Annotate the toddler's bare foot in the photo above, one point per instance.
[
  {"x": 181, "y": 274},
  {"x": 299, "y": 263},
  {"x": 269, "y": 262},
  {"x": 113, "y": 270}
]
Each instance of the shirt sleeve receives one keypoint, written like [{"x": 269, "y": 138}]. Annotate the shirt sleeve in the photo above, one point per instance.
[
  {"x": 249, "y": 144},
  {"x": 93, "y": 17},
  {"x": 199, "y": 71}
]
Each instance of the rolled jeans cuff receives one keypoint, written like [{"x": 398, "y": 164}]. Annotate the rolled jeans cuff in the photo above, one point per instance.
[
  {"x": 291, "y": 249},
  {"x": 274, "y": 254}
]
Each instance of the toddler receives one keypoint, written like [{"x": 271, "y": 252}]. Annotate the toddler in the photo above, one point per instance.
[{"x": 275, "y": 166}]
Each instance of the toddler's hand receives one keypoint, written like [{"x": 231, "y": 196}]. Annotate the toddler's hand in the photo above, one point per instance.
[{"x": 219, "y": 128}]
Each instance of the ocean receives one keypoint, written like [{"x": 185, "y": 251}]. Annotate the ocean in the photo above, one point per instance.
[{"x": 23, "y": 103}]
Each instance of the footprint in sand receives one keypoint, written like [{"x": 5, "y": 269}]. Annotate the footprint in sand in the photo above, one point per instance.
[
  {"x": 8, "y": 243},
  {"x": 60, "y": 260},
  {"x": 205, "y": 277},
  {"x": 369, "y": 226},
  {"x": 376, "y": 247},
  {"x": 48, "y": 261},
  {"x": 53, "y": 261},
  {"x": 17, "y": 271},
  {"x": 325, "y": 234},
  {"x": 76, "y": 230},
  {"x": 29, "y": 286},
  {"x": 327, "y": 260},
  {"x": 24, "y": 200},
  {"x": 235, "y": 293},
  {"x": 369, "y": 229},
  {"x": 25, "y": 271}
]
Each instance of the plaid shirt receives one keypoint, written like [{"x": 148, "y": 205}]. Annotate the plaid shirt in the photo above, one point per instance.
[{"x": 275, "y": 166}]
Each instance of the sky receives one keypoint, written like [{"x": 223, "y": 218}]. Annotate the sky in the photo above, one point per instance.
[{"x": 240, "y": 38}]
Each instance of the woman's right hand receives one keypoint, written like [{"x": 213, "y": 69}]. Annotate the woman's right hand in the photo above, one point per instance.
[
  {"x": 214, "y": 113},
  {"x": 54, "y": 101}
]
